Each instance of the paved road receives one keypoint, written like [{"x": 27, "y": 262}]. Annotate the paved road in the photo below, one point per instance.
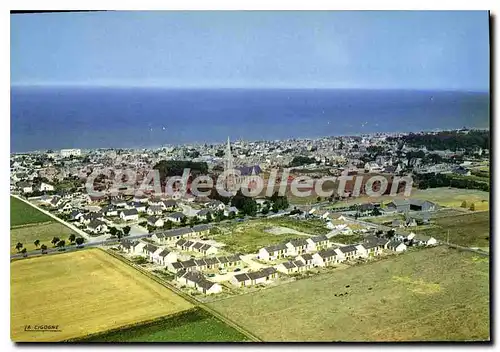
[{"x": 106, "y": 242}]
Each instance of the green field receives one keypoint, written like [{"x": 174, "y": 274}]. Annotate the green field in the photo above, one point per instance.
[
  {"x": 433, "y": 294},
  {"x": 42, "y": 232},
  {"x": 22, "y": 214},
  {"x": 250, "y": 236},
  {"x": 192, "y": 326},
  {"x": 471, "y": 229},
  {"x": 311, "y": 226}
]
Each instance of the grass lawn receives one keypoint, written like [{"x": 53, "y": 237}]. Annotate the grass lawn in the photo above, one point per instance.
[
  {"x": 471, "y": 229},
  {"x": 194, "y": 325},
  {"x": 22, "y": 214},
  {"x": 43, "y": 232},
  {"x": 311, "y": 226},
  {"x": 430, "y": 294},
  {"x": 84, "y": 293},
  {"x": 250, "y": 236}
]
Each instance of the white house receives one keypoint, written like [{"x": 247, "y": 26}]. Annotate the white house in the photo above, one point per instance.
[
  {"x": 327, "y": 257},
  {"x": 423, "y": 240},
  {"x": 45, "y": 187},
  {"x": 97, "y": 226},
  {"x": 396, "y": 246},
  {"x": 349, "y": 252},
  {"x": 307, "y": 259},
  {"x": 362, "y": 251},
  {"x": 129, "y": 215},
  {"x": 149, "y": 251},
  {"x": 176, "y": 218},
  {"x": 196, "y": 280},
  {"x": 263, "y": 276},
  {"x": 317, "y": 243},
  {"x": 155, "y": 222},
  {"x": 273, "y": 252},
  {"x": 110, "y": 210},
  {"x": 229, "y": 210},
  {"x": 296, "y": 246},
  {"x": 291, "y": 267},
  {"x": 128, "y": 246},
  {"x": 169, "y": 204},
  {"x": 215, "y": 205},
  {"x": 203, "y": 214},
  {"x": 204, "y": 248},
  {"x": 163, "y": 256},
  {"x": 154, "y": 210}
]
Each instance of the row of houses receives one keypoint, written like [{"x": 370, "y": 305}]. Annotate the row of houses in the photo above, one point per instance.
[
  {"x": 294, "y": 247},
  {"x": 200, "y": 247},
  {"x": 197, "y": 280},
  {"x": 202, "y": 264},
  {"x": 157, "y": 255},
  {"x": 171, "y": 237}
]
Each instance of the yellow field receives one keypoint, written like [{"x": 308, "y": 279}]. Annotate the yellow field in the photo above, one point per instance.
[{"x": 83, "y": 293}]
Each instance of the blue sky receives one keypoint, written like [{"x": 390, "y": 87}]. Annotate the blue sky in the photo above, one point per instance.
[{"x": 289, "y": 49}]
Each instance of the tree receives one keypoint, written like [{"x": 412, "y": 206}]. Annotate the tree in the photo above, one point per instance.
[
  {"x": 120, "y": 233},
  {"x": 19, "y": 245},
  {"x": 193, "y": 221},
  {"x": 113, "y": 231},
  {"x": 472, "y": 207},
  {"x": 72, "y": 238},
  {"x": 43, "y": 248},
  {"x": 265, "y": 210},
  {"x": 183, "y": 220},
  {"x": 209, "y": 217},
  {"x": 36, "y": 243},
  {"x": 318, "y": 199},
  {"x": 79, "y": 241},
  {"x": 464, "y": 204},
  {"x": 126, "y": 230},
  {"x": 391, "y": 234},
  {"x": 55, "y": 240},
  {"x": 274, "y": 208},
  {"x": 375, "y": 212},
  {"x": 61, "y": 243},
  {"x": 168, "y": 225},
  {"x": 24, "y": 252}
]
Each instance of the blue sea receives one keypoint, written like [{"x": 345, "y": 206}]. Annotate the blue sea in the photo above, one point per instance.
[{"x": 62, "y": 117}]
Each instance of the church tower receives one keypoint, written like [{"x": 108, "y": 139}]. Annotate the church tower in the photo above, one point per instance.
[
  {"x": 231, "y": 180},
  {"x": 228, "y": 162}
]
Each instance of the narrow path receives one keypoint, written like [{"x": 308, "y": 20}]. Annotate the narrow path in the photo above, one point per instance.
[{"x": 72, "y": 227}]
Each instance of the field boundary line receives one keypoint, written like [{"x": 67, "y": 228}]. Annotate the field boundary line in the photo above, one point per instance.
[
  {"x": 188, "y": 298},
  {"x": 31, "y": 224},
  {"x": 128, "y": 326},
  {"x": 70, "y": 226}
]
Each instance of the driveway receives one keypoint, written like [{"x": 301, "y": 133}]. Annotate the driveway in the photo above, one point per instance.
[{"x": 248, "y": 259}]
